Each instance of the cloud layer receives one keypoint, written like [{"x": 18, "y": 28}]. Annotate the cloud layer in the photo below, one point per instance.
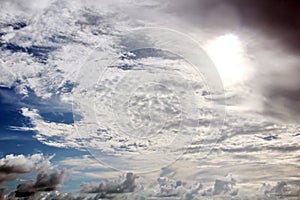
[{"x": 45, "y": 46}]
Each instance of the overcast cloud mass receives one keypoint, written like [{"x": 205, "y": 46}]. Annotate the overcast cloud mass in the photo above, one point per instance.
[{"x": 195, "y": 99}]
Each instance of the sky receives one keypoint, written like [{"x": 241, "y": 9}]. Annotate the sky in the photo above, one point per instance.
[{"x": 195, "y": 99}]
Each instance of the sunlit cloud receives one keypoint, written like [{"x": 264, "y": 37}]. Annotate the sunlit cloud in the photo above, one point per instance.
[{"x": 226, "y": 52}]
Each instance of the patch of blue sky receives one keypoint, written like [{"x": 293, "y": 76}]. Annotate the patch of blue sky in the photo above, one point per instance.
[{"x": 22, "y": 141}]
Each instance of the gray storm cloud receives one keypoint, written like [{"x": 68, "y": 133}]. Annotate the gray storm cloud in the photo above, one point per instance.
[
  {"x": 45, "y": 181},
  {"x": 121, "y": 185},
  {"x": 12, "y": 167}
]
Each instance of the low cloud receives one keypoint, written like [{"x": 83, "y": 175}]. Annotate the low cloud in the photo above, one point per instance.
[
  {"x": 282, "y": 190},
  {"x": 172, "y": 188},
  {"x": 44, "y": 181},
  {"x": 12, "y": 167},
  {"x": 2, "y": 193},
  {"x": 124, "y": 184},
  {"x": 46, "y": 184},
  {"x": 176, "y": 188},
  {"x": 223, "y": 187}
]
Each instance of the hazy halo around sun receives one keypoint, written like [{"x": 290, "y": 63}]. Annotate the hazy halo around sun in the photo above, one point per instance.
[{"x": 226, "y": 52}]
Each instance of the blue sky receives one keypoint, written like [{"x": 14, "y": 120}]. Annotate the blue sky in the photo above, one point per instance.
[{"x": 24, "y": 141}]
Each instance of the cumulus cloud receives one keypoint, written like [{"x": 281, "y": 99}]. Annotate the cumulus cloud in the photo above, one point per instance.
[
  {"x": 177, "y": 188},
  {"x": 283, "y": 190},
  {"x": 45, "y": 181},
  {"x": 61, "y": 196},
  {"x": 125, "y": 188},
  {"x": 224, "y": 186},
  {"x": 172, "y": 188},
  {"x": 12, "y": 167},
  {"x": 124, "y": 184}
]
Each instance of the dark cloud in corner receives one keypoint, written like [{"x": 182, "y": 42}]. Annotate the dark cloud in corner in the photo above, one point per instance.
[
  {"x": 280, "y": 18},
  {"x": 271, "y": 32}
]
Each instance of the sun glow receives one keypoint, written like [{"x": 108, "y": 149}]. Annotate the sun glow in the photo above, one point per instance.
[{"x": 227, "y": 54}]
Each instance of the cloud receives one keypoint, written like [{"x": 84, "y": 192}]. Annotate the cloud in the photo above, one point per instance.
[
  {"x": 45, "y": 181},
  {"x": 172, "y": 188},
  {"x": 279, "y": 19},
  {"x": 267, "y": 29},
  {"x": 126, "y": 188},
  {"x": 176, "y": 188},
  {"x": 12, "y": 167},
  {"x": 61, "y": 196},
  {"x": 52, "y": 133},
  {"x": 282, "y": 190},
  {"x": 122, "y": 185},
  {"x": 2, "y": 193},
  {"x": 224, "y": 186},
  {"x": 269, "y": 32}
]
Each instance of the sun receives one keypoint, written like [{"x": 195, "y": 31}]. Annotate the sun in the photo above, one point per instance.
[{"x": 227, "y": 54}]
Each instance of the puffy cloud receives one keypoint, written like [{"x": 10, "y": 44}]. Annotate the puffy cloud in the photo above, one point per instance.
[
  {"x": 12, "y": 167},
  {"x": 172, "y": 188},
  {"x": 283, "y": 190},
  {"x": 61, "y": 196},
  {"x": 45, "y": 181},
  {"x": 124, "y": 184},
  {"x": 224, "y": 186}
]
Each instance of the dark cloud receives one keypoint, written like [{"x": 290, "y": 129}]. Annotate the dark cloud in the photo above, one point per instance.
[
  {"x": 283, "y": 102},
  {"x": 177, "y": 188},
  {"x": 280, "y": 18},
  {"x": 2, "y": 193},
  {"x": 122, "y": 185},
  {"x": 44, "y": 181},
  {"x": 283, "y": 190},
  {"x": 224, "y": 186},
  {"x": 12, "y": 167},
  {"x": 270, "y": 31},
  {"x": 277, "y": 68}
]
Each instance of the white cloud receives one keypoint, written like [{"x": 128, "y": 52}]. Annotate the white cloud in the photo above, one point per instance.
[
  {"x": 12, "y": 167},
  {"x": 51, "y": 133}
]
